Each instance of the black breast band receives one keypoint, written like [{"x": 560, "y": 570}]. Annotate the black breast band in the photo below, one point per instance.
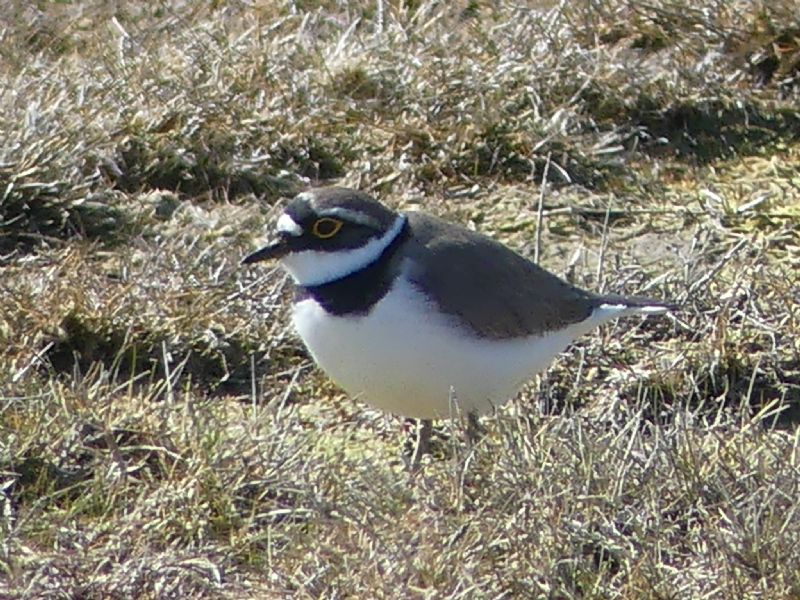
[{"x": 357, "y": 293}]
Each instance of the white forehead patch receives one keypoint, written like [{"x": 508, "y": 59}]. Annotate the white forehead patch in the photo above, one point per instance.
[{"x": 287, "y": 224}]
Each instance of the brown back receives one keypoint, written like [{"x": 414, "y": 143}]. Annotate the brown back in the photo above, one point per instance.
[{"x": 495, "y": 291}]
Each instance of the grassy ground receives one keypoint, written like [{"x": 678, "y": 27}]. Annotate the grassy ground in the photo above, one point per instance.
[{"x": 164, "y": 435}]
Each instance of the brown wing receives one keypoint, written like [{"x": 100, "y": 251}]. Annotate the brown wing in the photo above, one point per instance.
[{"x": 489, "y": 287}]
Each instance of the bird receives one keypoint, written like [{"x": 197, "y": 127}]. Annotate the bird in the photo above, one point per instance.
[{"x": 421, "y": 317}]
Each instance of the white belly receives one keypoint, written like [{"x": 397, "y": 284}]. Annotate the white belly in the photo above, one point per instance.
[{"x": 405, "y": 358}]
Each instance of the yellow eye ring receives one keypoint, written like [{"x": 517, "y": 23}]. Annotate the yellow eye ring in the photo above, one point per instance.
[{"x": 326, "y": 227}]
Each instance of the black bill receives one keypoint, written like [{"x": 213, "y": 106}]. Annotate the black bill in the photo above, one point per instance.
[{"x": 271, "y": 251}]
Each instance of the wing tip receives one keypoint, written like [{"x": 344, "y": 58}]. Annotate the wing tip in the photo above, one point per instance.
[{"x": 623, "y": 307}]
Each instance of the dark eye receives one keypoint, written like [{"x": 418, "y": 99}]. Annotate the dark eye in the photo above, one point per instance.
[{"x": 326, "y": 227}]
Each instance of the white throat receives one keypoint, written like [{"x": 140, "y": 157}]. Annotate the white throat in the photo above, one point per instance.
[{"x": 313, "y": 267}]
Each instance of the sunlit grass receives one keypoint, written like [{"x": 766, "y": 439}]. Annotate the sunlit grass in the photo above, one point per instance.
[{"x": 163, "y": 434}]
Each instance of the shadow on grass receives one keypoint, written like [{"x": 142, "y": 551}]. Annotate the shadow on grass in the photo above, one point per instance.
[
  {"x": 222, "y": 368},
  {"x": 770, "y": 394},
  {"x": 703, "y": 133},
  {"x": 206, "y": 167}
]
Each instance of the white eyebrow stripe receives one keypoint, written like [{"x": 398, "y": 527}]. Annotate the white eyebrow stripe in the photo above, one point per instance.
[
  {"x": 287, "y": 224},
  {"x": 352, "y": 216},
  {"x": 307, "y": 197}
]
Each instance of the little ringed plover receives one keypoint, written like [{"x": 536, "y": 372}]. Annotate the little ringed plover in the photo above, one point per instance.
[{"x": 410, "y": 313}]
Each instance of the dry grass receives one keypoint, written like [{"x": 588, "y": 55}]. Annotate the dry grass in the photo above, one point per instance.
[{"x": 164, "y": 435}]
